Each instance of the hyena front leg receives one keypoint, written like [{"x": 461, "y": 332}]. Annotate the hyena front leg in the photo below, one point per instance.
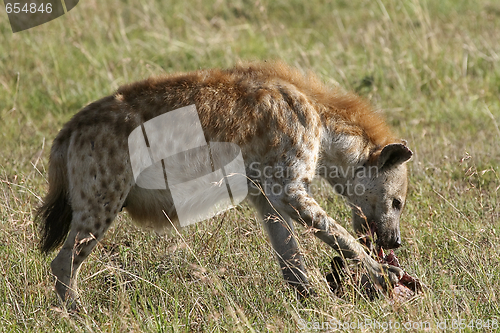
[
  {"x": 279, "y": 227},
  {"x": 298, "y": 204}
]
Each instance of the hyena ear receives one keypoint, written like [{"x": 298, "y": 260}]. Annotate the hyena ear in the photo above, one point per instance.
[{"x": 393, "y": 154}]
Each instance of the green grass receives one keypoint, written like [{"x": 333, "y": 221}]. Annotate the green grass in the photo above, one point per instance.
[{"x": 433, "y": 67}]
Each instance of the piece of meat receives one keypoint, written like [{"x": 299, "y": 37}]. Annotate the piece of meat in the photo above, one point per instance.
[
  {"x": 341, "y": 276},
  {"x": 406, "y": 280}
]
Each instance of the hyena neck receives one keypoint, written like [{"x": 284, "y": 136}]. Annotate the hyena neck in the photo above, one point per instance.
[
  {"x": 353, "y": 134},
  {"x": 341, "y": 157}
]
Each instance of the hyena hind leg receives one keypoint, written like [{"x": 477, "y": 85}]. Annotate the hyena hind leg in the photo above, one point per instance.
[{"x": 86, "y": 230}]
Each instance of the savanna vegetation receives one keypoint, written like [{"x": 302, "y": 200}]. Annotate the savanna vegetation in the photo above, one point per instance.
[{"x": 431, "y": 67}]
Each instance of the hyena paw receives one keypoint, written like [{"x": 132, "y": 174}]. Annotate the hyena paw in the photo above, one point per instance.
[
  {"x": 68, "y": 296},
  {"x": 385, "y": 276},
  {"x": 393, "y": 273}
]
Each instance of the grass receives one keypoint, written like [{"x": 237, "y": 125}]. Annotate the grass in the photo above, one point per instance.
[{"x": 432, "y": 67}]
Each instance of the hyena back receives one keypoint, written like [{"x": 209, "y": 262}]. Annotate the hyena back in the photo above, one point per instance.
[{"x": 281, "y": 120}]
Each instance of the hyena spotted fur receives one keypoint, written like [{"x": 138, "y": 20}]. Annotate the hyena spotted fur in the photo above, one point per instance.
[{"x": 280, "y": 118}]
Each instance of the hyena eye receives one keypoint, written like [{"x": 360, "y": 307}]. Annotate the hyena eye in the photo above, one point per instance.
[{"x": 397, "y": 204}]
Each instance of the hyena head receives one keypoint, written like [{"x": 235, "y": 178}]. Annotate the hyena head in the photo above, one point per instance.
[{"x": 379, "y": 194}]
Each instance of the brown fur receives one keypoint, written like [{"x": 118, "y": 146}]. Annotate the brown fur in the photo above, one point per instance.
[{"x": 343, "y": 112}]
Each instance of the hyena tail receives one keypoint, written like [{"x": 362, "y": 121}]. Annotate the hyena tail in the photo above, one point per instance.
[{"x": 55, "y": 215}]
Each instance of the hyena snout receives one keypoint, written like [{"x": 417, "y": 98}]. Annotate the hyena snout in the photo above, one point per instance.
[
  {"x": 386, "y": 235},
  {"x": 391, "y": 239}
]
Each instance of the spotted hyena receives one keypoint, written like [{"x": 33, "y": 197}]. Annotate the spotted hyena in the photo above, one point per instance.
[{"x": 289, "y": 127}]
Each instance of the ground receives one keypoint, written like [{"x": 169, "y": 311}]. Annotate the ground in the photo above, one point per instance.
[{"x": 431, "y": 67}]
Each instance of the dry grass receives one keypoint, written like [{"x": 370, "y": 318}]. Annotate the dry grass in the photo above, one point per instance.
[{"x": 433, "y": 67}]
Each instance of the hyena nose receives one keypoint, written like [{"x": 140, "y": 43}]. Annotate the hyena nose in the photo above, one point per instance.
[
  {"x": 396, "y": 240},
  {"x": 397, "y": 243},
  {"x": 392, "y": 243}
]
